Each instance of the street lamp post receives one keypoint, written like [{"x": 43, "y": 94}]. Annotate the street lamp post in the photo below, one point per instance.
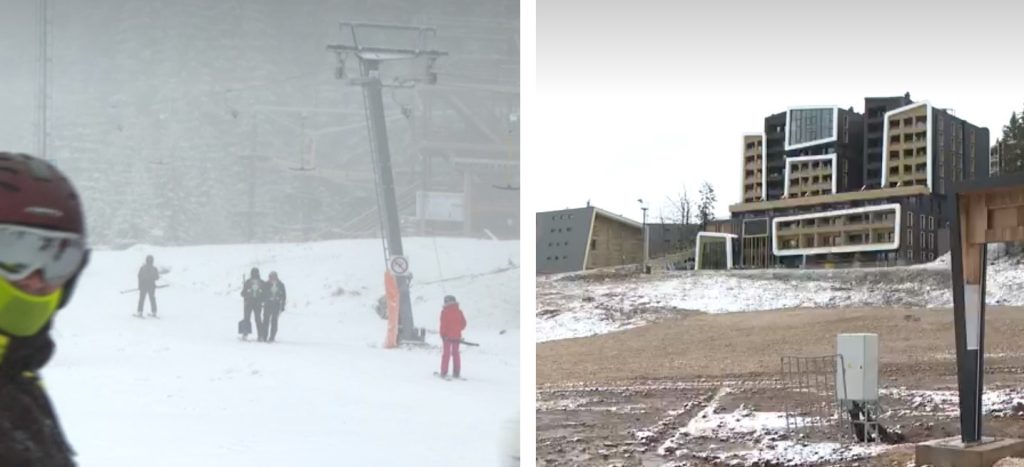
[{"x": 643, "y": 208}]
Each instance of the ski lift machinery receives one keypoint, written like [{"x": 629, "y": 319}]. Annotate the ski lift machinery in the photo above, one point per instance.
[{"x": 370, "y": 79}]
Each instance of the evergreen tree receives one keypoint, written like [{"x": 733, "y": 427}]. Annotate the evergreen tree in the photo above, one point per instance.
[
  {"x": 1013, "y": 145},
  {"x": 706, "y": 205}
]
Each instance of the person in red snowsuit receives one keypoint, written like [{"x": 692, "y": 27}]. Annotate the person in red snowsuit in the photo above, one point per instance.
[{"x": 452, "y": 324}]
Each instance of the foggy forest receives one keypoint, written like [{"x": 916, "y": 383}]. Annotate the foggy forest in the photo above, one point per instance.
[{"x": 201, "y": 122}]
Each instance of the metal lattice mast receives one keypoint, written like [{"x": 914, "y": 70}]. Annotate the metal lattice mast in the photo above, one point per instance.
[{"x": 43, "y": 96}]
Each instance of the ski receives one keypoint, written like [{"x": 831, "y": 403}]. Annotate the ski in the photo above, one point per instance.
[{"x": 136, "y": 289}]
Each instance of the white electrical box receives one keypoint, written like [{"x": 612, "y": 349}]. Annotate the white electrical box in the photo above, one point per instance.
[{"x": 857, "y": 367}]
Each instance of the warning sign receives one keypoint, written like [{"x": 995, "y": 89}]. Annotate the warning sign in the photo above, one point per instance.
[{"x": 399, "y": 265}]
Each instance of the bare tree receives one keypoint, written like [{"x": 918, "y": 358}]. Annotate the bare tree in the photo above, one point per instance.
[
  {"x": 686, "y": 207},
  {"x": 681, "y": 207}
]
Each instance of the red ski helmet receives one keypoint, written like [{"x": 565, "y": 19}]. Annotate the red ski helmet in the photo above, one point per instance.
[{"x": 36, "y": 194}]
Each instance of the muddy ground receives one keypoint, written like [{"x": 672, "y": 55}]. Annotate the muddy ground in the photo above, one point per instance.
[{"x": 622, "y": 398}]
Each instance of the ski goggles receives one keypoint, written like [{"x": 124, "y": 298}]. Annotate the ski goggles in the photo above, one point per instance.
[{"x": 24, "y": 250}]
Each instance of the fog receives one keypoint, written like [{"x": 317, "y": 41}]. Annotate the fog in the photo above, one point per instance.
[{"x": 200, "y": 121}]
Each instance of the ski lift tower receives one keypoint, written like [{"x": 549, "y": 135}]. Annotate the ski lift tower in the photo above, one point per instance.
[{"x": 371, "y": 57}]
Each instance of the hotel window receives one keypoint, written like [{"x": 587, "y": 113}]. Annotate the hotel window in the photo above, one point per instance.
[
  {"x": 931, "y": 222},
  {"x": 922, "y": 221},
  {"x": 931, "y": 241},
  {"x": 910, "y": 219},
  {"x": 910, "y": 237},
  {"x": 922, "y": 239}
]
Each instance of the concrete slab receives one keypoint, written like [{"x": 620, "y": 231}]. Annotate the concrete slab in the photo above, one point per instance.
[{"x": 951, "y": 452}]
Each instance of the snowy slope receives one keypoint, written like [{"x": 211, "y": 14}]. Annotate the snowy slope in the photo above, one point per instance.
[
  {"x": 575, "y": 305},
  {"x": 183, "y": 390}
]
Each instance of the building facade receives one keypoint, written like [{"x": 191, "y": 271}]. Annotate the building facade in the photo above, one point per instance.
[
  {"x": 994, "y": 161},
  {"x": 586, "y": 238},
  {"x": 857, "y": 189}
]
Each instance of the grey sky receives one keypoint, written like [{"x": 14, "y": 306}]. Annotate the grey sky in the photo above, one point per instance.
[{"x": 637, "y": 99}]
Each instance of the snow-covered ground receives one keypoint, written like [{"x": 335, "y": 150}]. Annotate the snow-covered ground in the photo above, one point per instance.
[
  {"x": 764, "y": 433},
  {"x": 578, "y": 305},
  {"x": 184, "y": 390}
]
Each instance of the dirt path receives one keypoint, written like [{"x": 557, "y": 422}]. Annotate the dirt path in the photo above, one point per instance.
[{"x": 750, "y": 344}]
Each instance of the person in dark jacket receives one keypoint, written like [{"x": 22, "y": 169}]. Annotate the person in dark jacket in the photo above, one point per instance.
[
  {"x": 148, "y": 276},
  {"x": 252, "y": 295},
  {"x": 42, "y": 252},
  {"x": 274, "y": 297},
  {"x": 453, "y": 322}
]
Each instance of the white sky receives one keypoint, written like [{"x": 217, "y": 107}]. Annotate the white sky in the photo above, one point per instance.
[{"x": 639, "y": 99}]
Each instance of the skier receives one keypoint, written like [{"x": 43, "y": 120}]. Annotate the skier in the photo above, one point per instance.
[
  {"x": 148, "y": 276},
  {"x": 252, "y": 303},
  {"x": 274, "y": 297},
  {"x": 42, "y": 252},
  {"x": 452, "y": 324}
]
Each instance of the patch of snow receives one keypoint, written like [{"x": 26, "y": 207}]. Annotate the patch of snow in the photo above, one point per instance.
[
  {"x": 997, "y": 403},
  {"x": 796, "y": 453},
  {"x": 579, "y": 306},
  {"x": 764, "y": 433}
]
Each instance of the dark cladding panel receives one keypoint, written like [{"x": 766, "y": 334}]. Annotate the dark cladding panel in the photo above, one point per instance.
[
  {"x": 562, "y": 238},
  {"x": 755, "y": 227}
]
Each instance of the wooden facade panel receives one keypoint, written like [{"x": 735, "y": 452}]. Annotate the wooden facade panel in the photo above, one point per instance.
[
  {"x": 977, "y": 218},
  {"x": 753, "y": 163},
  {"x": 845, "y": 197},
  {"x": 1008, "y": 234},
  {"x": 1004, "y": 217},
  {"x": 908, "y": 132},
  {"x": 614, "y": 243},
  {"x": 1006, "y": 198}
]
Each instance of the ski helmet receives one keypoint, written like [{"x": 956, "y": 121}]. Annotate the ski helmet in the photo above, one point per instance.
[
  {"x": 37, "y": 195},
  {"x": 149, "y": 259},
  {"x": 449, "y": 299}
]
